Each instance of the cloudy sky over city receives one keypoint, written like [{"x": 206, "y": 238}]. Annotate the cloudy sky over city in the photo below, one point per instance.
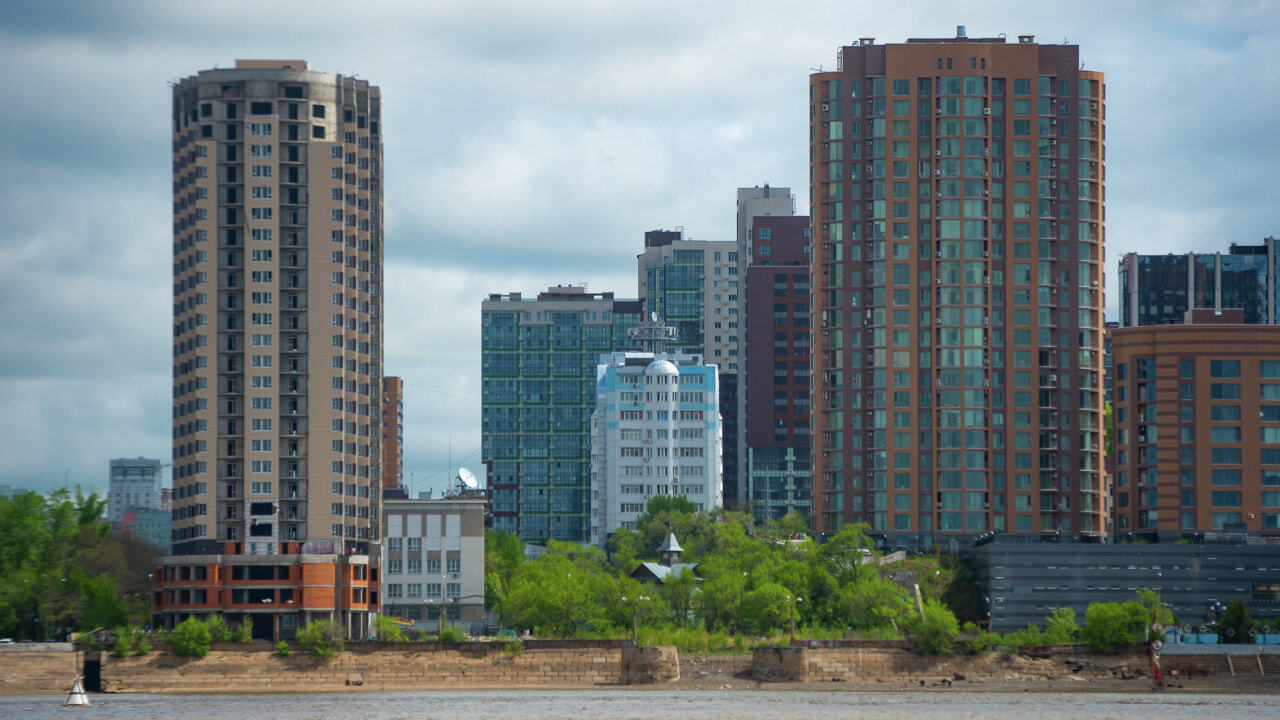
[{"x": 527, "y": 144}]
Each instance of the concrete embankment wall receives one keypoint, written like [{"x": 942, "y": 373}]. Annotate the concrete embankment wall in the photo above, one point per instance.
[
  {"x": 37, "y": 668},
  {"x": 386, "y": 667}
]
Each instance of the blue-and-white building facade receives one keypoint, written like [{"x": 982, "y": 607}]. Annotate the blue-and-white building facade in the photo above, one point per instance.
[{"x": 656, "y": 430}]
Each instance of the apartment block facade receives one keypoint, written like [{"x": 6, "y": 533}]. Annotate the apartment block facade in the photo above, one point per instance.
[
  {"x": 1196, "y": 412},
  {"x": 277, "y": 308},
  {"x": 777, "y": 356},
  {"x": 655, "y": 431},
  {"x": 693, "y": 286},
  {"x": 1160, "y": 289},
  {"x": 957, "y": 203},
  {"x": 277, "y": 356},
  {"x": 133, "y": 484},
  {"x": 538, "y": 374}
]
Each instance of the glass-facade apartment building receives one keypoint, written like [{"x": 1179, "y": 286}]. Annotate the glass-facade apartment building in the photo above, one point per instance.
[
  {"x": 957, "y": 196},
  {"x": 1160, "y": 289},
  {"x": 538, "y": 373}
]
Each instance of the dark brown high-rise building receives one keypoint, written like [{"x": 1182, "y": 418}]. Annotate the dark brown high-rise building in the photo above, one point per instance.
[
  {"x": 776, "y": 358},
  {"x": 392, "y": 432},
  {"x": 957, "y": 208}
]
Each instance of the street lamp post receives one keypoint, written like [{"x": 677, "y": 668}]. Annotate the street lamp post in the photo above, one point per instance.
[
  {"x": 793, "y": 602},
  {"x": 635, "y": 617}
]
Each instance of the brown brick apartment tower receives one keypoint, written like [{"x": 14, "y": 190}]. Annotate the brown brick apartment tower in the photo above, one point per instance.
[
  {"x": 277, "y": 357},
  {"x": 1197, "y": 427},
  {"x": 957, "y": 208}
]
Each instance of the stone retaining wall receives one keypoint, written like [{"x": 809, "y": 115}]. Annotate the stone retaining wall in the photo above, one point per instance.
[
  {"x": 37, "y": 669},
  {"x": 896, "y": 666},
  {"x": 407, "y": 667}
]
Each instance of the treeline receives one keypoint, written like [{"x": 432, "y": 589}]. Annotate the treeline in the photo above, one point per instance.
[
  {"x": 751, "y": 579},
  {"x": 62, "y": 570}
]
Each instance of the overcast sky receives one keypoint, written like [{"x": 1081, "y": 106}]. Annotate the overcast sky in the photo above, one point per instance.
[{"x": 527, "y": 143}]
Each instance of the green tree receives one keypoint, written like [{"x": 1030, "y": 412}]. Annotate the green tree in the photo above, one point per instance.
[
  {"x": 503, "y": 554},
  {"x": 1236, "y": 625},
  {"x": 1061, "y": 628},
  {"x": 938, "y": 629},
  {"x": 766, "y": 609},
  {"x": 219, "y": 630},
  {"x": 190, "y": 639},
  {"x": 1110, "y": 627},
  {"x": 1158, "y": 612},
  {"x": 321, "y": 639},
  {"x": 874, "y": 603},
  {"x": 386, "y": 629},
  {"x": 61, "y": 569}
]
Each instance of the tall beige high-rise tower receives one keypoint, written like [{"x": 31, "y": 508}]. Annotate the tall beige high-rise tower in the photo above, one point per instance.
[
  {"x": 958, "y": 207},
  {"x": 277, "y": 336}
]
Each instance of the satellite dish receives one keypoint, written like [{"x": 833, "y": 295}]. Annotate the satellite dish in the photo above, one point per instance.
[
  {"x": 467, "y": 479},
  {"x": 653, "y": 317}
]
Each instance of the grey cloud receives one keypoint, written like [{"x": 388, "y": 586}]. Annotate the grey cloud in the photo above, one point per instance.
[{"x": 527, "y": 144}]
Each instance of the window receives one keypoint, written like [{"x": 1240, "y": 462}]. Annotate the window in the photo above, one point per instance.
[
  {"x": 1224, "y": 368},
  {"x": 1225, "y": 391}
]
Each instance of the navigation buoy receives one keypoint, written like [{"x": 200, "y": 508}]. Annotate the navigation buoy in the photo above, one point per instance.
[{"x": 77, "y": 696}]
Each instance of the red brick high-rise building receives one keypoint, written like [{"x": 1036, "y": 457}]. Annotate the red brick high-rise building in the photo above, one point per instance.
[{"x": 957, "y": 209}]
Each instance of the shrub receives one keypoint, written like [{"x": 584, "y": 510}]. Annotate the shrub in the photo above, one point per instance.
[
  {"x": 219, "y": 631},
  {"x": 124, "y": 643},
  {"x": 386, "y": 629},
  {"x": 1236, "y": 625},
  {"x": 144, "y": 646},
  {"x": 242, "y": 634},
  {"x": 190, "y": 639},
  {"x": 282, "y": 649},
  {"x": 936, "y": 634},
  {"x": 1062, "y": 629},
  {"x": 322, "y": 639},
  {"x": 1110, "y": 627},
  {"x": 513, "y": 647},
  {"x": 452, "y": 635}
]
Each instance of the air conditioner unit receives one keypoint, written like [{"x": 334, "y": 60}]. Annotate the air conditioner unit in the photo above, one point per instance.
[
  {"x": 986, "y": 111},
  {"x": 985, "y": 193},
  {"x": 939, "y": 111},
  {"x": 986, "y": 254},
  {"x": 938, "y": 153},
  {"x": 825, "y": 107},
  {"x": 937, "y": 173}
]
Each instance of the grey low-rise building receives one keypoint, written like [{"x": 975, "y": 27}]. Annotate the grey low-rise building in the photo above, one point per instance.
[
  {"x": 433, "y": 560},
  {"x": 1024, "y": 581}
]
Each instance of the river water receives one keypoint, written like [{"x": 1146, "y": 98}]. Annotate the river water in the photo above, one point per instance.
[{"x": 674, "y": 705}]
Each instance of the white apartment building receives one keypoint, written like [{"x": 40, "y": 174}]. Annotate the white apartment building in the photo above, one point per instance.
[{"x": 655, "y": 431}]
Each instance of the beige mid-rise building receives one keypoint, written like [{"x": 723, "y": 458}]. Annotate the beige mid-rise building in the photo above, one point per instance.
[{"x": 277, "y": 356}]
